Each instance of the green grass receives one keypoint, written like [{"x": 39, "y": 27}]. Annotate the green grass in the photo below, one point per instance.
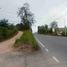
[{"x": 26, "y": 38}]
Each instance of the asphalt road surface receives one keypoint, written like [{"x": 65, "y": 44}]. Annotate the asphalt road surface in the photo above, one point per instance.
[{"x": 55, "y": 46}]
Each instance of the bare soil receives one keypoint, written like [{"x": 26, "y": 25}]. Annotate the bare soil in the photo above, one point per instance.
[
  {"x": 25, "y": 48},
  {"x": 6, "y": 46}
]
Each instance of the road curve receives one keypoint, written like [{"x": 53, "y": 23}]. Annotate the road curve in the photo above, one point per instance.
[{"x": 6, "y": 45}]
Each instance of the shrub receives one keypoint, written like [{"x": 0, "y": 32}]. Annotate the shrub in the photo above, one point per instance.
[
  {"x": 64, "y": 33},
  {"x": 6, "y": 30}
]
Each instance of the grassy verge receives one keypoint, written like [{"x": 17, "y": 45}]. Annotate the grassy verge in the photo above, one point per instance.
[
  {"x": 6, "y": 33},
  {"x": 27, "y": 38}
]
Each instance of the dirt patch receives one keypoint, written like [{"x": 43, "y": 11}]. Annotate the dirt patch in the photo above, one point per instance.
[
  {"x": 25, "y": 48},
  {"x": 6, "y": 46}
]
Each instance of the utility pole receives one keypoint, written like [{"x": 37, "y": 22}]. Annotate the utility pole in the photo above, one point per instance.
[
  {"x": 65, "y": 28},
  {"x": 65, "y": 31}
]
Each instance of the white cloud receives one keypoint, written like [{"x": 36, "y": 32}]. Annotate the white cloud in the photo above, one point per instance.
[{"x": 44, "y": 10}]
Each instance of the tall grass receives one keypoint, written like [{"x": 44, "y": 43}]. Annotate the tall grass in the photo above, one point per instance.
[{"x": 26, "y": 38}]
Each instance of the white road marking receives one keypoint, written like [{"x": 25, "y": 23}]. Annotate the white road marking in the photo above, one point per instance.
[
  {"x": 40, "y": 43},
  {"x": 46, "y": 49},
  {"x": 56, "y": 59}
]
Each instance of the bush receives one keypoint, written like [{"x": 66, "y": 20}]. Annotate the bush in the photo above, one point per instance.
[
  {"x": 6, "y": 33},
  {"x": 6, "y": 30},
  {"x": 64, "y": 34},
  {"x": 26, "y": 38},
  {"x": 43, "y": 29}
]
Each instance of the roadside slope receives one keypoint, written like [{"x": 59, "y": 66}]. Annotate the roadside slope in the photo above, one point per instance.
[{"x": 6, "y": 45}]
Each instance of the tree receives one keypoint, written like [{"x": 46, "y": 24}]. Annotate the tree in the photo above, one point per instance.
[
  {"x": 54, "y": 26},
  {"x": 46, "y": 28},
  {"x": 3, "y": 23},
  {"x": 20, "y": 26},
  {"x": 26, "y": 16},
  {"x": 43, "y": 29}
]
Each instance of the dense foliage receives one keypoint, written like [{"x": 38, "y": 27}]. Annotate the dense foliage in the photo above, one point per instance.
[
  {"x": 51, "y": 30},
  {"x": 6, "y": 30},
  {"x": 43, "y": 29},
  {"x": 57, "y": 31}
]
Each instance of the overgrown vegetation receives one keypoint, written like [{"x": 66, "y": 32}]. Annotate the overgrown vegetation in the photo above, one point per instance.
[
  {"x": 6, "y": 30},
  {"x": 27, "y": 38},
  {"x": 52, "y": 30}
]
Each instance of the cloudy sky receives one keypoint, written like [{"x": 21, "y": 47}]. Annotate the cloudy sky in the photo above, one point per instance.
[{"x": 44, "y": 11}]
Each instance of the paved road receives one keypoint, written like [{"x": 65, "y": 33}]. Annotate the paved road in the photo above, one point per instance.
[
  {"x": 34, "y": 59},
  {"x": 55, "y": 46}
]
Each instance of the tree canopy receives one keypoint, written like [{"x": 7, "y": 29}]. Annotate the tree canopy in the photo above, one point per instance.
[
  {"x": 26, "y": 16},
  {"x": 54, "y": 25}
]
